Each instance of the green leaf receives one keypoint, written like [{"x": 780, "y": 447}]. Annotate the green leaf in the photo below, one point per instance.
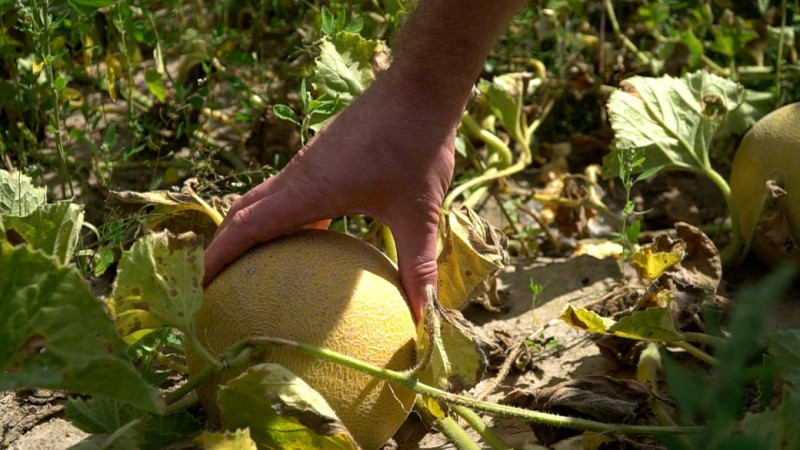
[
  {"x": 55, "y": 334},
  {"x": 343, "y": 70},
  {"x": 281, "y": 410},
  {"x": 285, "y": 113},
  {"x": 784, "y": 347},
  {"x": 100, "y": 415},
  {"x": 159, "y": 284},
  {"x": 504, "y": 94},
  {"x": 651, "y": 324},
  {"x": 88, "y": 7},
  {"x": 124, "y": 438},
  {"x": 731, "y": 34},
  {"x": 18, "y": 196},
  {"x": 155, "y": 84},
  {"x": 104, "y": 417},
  {"x": 775, "y": 428},
  {"x": 673, "y": 120},
  {"x": 53, "y": 228},
  {"x": 60, "y": 83}
]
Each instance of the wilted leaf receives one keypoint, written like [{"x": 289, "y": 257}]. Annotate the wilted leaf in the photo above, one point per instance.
[
  {"x": 586, "y": 320},
  {"x": 18, "y": 196},
  {"x": 452, "y": 349},
  {"x": 650, "y": 264},
  {"x": 55, "y": 334},
  {"x": 177, "y": 212},
  {"x": 601, "y": 398},
  {"x": 158, "y": 284},
  {"x": 226, "y": 440},
  {"x": 471, "y": 252},
  {"x": 701, "y": 266},
  {"x": 281, "y": 410},
  {"x": 53, "y": 228},
  {"x": 673, "y": 120}
]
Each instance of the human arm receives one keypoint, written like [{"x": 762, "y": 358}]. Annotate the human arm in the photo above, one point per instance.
[{"x": 388, "y": 155}]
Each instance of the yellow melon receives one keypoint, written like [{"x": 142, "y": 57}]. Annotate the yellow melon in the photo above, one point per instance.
[
  {"x": 325, "y": 289},
  {"x": 770, "y": 151}
]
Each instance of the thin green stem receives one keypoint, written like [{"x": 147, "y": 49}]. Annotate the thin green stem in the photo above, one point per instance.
[
  {"x": 487, "y": 434},
  {"x": 410, "y": 382},
  {"x": 696, "y": 352},
  {"x": 388, "y": 243},
  {"x": 703, "y": 338},
  {"x": 455, "y": 434},
  {"x": 44, "y": 32},
  {"x": 779, "y": 62},
  {"x": 612, "y": 18},
  {"x": 174, "y": 396},
  {"x": 493, "y": 142},
  {"x": 186, "y": 401},
  {"x": 730, "y": 254},
  {"x": 237, "y": 355}
]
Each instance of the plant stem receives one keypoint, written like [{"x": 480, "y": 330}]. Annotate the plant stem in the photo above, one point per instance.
[
  {"x": 779, "y": 61},
  {"x": 703, "y": 338},
  {"x": 44, "y": 14},
  {"x": 237, "y": 355},
  {"x": 388, "y": 243},
  {"x": 730, "y": 254},
  {"x": 455, "y": 434},
  {"x": 408, "y": 381},
  {"x": 494, "y": 143},
  {"x": 696, "y": 352},
  {"x": 477, "y": 424},
  {"x": 612, "y": 17}
]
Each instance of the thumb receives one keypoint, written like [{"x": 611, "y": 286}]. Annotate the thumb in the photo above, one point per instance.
[{"x": 416, "y": 254}]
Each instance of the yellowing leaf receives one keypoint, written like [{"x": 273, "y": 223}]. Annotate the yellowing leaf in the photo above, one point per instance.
[
  {"x": 38, "y": 65},
  {"x": 471, "y": 251},
  {"x": 586, "y": 320},
  {"x": 651, "y": 324},
  {"x": 281, "y": 411},
  {"x": 451, "y": 347},
  {"x": 159, "y": 284},
  {"x": 226, "y": 440},
  {"x": 651, "y": 264},
  {"x": 177, "y": 212}
]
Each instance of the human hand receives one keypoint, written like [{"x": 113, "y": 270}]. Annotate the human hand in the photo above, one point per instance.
[{"x": 389, "y": 155}]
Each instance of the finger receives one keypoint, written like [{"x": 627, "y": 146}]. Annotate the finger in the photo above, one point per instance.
[
  {"x": 320, "y": 224},
  {"x": 416, "y": 254},
  {"x": 277, "y": 214}
]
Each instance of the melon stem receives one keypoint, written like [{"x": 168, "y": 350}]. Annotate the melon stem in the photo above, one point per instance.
[
  {"x": 731, "y": 254},
  {"x": 410, "y": 382}
]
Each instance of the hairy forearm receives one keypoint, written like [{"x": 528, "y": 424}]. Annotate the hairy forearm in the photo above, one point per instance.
[{"x": 441, "y": 48}]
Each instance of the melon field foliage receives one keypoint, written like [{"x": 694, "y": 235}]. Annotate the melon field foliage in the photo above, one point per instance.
[{"x": 598, "y": 132}]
